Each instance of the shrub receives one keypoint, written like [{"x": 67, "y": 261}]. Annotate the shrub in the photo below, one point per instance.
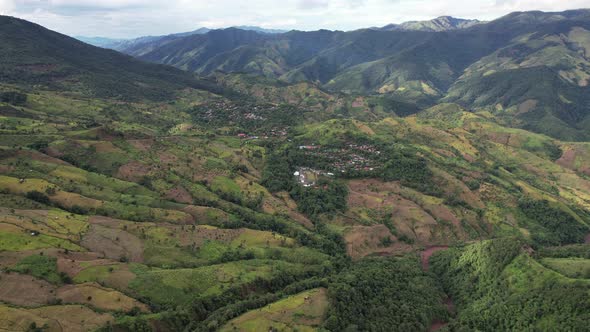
[
  {"x": 13, "y": 98},
  {"x": 38, "y": 196}
]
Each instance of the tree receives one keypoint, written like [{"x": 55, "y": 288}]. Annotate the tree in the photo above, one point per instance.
[{"x": 38, "y": 196}]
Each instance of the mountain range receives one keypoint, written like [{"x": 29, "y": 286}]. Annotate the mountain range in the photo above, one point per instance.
[
  {"x": 306, "y": 181},
  {"x": 122, "y": 44},
  {"x": 420, "y": 64},
  {"x": 442, "y": 23}
]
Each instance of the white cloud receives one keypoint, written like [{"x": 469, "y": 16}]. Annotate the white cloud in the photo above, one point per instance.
[
  {"x": 127, "y": 18},
  {"x": 6, "y": 7},
  {"x": 312, "y": 4}
]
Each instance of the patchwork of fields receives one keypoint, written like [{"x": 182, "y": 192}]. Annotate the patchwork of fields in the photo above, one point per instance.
[{"x": 170, "y": 203}]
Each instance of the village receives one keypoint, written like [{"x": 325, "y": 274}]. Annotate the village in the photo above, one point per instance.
[
  {"x": 266, "y": 120},
  {"x": 234, "y": 112},
  {"x": 272, "y": 133},
  {"x": 349, "y": 157},
  {"x": 252, "y": 121},
  {"x": 329, "y": 161}
]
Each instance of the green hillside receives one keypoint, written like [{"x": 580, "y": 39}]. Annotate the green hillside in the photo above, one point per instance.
[
  {"x": 493, "y": 65},
  {"x": 251, "y": 203},
  {"x": 35, "y": 56},
  {"x": 512, "y": 289}
]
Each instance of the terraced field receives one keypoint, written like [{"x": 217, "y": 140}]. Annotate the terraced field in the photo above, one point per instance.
[
  {"x": 301, "y": 312},
  {"x": 125, "y": 207}
]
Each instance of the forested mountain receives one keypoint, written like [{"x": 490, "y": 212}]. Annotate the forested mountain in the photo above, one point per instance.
[
  {"x": 38, "y": 57},
  {"x": 286, "y": 197},
  {"x": 141, "y": 45},
  {"x": 487, "y": 66}
]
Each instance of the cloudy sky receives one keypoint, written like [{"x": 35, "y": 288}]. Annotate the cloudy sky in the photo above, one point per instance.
[{"x": 131, "y": 18}]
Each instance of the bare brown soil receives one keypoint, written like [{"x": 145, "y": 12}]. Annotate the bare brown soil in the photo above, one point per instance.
[
  {"x": 427, "y": 253},
  {"x": 359, "y": 102},
  {"x": 25, "y": 290},
  {"x": 34, "y": 155},
  {"x": 107, "y": 147},
  {"x": 179, "y": 194},
  {"x": 54, "y": 152},
  {"x": 448, "y": 302},
  {"x": 468, "y": 157},
  {"x": 199, "y": 235},
  {"x": 453, "y": 186},
  {"x": 133, "y": 171},
  {"x": 113, "y": 243},
  {"x": 168, "y": 158},
  {"x": 445, "y": 153},
  {"x": 417, "y": 218},
  {"x": 98, "y": 297},
  {"x": 283, "y": 199},
  {"x": 362, "y": 241},
  {"x": 206, "y": 215},
  {"x": 567, "y": 158},
  {"x": 527, "y": 106},
  {"x": 62, "y": 318},
  {"x": 300, "y": 218},
  {"x": 142, "y": 144},
  {"x": 72, "y": 318},
  {"x": 72, "y": 266},
  {"x": 437, "y": 325},
  {"x": 10, "y": 258},
  {"x": 70, "y": 199}
]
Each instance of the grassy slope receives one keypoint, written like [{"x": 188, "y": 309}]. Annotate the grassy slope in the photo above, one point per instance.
[
  {"x": 158, "y": 184},
  {"x": 166, "y": 207}
]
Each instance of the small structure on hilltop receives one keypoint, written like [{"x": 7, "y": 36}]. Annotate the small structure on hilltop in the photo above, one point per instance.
[
  {"x": 308, "y": 147},
  {"x": 308, "y": 177}
]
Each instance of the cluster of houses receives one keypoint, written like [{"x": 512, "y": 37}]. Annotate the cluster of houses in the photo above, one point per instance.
[
  {"x": 247, "y": 137},
  {"x": 358, "y": 158},
  {"x": 214, "y": 108},
  {"x": 254, "y": 117},
  {"x": 236, "y": 111},
  {"x": 273, "y": 133},
  {"x": 347, "y": 158}
]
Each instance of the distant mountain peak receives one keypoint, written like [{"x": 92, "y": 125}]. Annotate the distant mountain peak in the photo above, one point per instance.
[
  {"x": 441, "y": 23},
  {"x": 120, "y": 44},
  {"x": 259, "y": 29}
]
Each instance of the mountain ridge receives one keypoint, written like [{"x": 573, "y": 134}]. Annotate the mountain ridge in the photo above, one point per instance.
[
  {"x": 43, "y": 57},
  {"x": 119, "y": 44},
  {"x": 441, "y": 23},
  {"x": 420, "y": 67}
]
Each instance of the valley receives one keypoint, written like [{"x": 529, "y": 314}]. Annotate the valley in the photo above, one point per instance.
[{"x": 450, "y": 195}]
